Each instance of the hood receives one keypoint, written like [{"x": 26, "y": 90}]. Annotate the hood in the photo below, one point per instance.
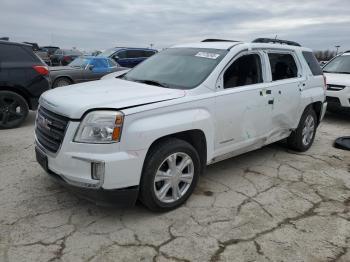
[
  {"x": 74, "y": 100},
  {"x": 338, "y": 79}
]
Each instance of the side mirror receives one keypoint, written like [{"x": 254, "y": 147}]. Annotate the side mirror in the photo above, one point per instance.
[
  {"x": 116, "y": 57},
  {"x": 91, "y": 67}
]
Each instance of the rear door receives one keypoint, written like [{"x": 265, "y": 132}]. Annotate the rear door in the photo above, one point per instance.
[{"x": 286, "y": 82}]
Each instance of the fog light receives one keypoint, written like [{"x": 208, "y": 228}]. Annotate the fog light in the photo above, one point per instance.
[{"x": 97, "y": 170}]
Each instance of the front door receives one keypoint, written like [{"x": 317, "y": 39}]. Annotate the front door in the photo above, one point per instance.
[{"x": 243, "y": 116}]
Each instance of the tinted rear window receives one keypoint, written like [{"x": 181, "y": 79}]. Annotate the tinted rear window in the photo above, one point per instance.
[
  {"x": 313, "y": 63},
  {"x": 283, "y": 66},
  {"x": 15, "y": 53}
]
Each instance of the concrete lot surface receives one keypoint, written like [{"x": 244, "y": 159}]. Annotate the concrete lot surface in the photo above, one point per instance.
[{"x": 267, "y": 205}]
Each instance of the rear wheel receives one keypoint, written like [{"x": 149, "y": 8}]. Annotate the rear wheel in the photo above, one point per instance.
[
  {"x": 303, "y": 137},
  {"x": 170, "y": 174},
  {"x": 62, "y": 81},
  {"x": 13, "y": 109}
]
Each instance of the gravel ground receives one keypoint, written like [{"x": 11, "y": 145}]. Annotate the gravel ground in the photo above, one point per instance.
[{"x": 267, "y": 205}]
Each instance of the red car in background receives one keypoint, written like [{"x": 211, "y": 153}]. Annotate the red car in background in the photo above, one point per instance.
[{"x": 64, "y": 56}]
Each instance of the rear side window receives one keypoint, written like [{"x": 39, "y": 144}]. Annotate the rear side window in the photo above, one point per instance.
[
  {"x": 122, "y": 54},
  {"x": 112, "y": 63},
  {"x": 283, "y": 66},
  {"x": 15, "y": 53},
  {"x": 246, "y": 70},
  {"x": 100, "y": 63},
  {"x": 312, "y": 62},
  {"x": 134, "y": 53}
]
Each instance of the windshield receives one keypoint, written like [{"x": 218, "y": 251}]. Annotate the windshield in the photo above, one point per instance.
[
  {"x": 80, "y": 62},
  {"x": 107, "y": 52},
  {"x": 179, "y": 68},
  {"x": 340, "y": 65}
]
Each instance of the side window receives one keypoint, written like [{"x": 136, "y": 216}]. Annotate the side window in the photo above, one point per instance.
[
  {"x": 246, "y": 70},
  {"x": 112, "y": 63},
  {"x": 134, "y": 53},
  {"x": 100, "y": 63},
  {"x": 283, "y": 66},
  {"x": 14, "y": 53},
  {"x": 122, "y": 54},
  {"x": 312, "y": 62}
]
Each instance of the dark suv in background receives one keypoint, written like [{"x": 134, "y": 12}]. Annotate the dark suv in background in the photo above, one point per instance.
[
  {"x": 23, "y": 78},
  {"x": 64, "y": 56},
  {"x": 128, "y": 57}
]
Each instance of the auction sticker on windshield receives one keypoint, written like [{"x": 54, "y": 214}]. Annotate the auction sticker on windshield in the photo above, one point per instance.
[{"x": 207, "y": 55}]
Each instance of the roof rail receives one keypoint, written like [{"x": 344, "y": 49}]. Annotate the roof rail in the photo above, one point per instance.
[
  {"x": 275, "y": 41},
  {"x": 217, "y": 40},
  {"x": 347, "y": 51}
]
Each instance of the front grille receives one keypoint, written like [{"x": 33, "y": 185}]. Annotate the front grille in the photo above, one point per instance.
[
  {"x": 335, "y": 87},
  {"x": 50, "y": 129}
]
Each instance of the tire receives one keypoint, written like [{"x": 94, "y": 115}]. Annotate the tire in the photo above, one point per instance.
[
  {"x": 62, "y": 81},
  {"x": 13, "y": 109},
  {"x": 157, "y": 166},
  {"x": 303, "y": 137}
]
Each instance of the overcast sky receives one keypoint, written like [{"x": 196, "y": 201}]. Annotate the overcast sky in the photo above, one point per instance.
[{"x": 100, "y": 24}]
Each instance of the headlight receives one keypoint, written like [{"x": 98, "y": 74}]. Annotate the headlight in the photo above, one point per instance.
[{"x": 100, "y": 127}]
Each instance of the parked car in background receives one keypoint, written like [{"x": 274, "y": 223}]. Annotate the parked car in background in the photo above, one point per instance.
[
  {"x": 50, "y": 49},
  {"x": 128, "y": 57},
  {"x": 64, "y": 56},
  {"x": 150, "y": 133},
  {"x": 83, "y": 69},
  {"x": 337, "y": 72},
  {"x": 34, "y": 46},
  {"x": 23, "y": 78},
  {"x": 44, "y": 55}
]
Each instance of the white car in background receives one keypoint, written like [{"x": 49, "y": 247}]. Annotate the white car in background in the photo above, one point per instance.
[
  {"x": 150, "y": 133},
  {"x": 337, "y": 73}
]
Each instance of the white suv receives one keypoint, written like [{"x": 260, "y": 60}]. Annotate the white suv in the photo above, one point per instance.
[
  {"x": 337, "y": 72},
  {"x": 149, "y": 133}
]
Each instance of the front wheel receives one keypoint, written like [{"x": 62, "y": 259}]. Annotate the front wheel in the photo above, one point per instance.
[
  {"x": 170, "y": 174},
  {"x": 303, "y": 137}
]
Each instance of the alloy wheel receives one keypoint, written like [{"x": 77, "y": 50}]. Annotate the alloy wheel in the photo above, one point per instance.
[
  {"x": 174, "y": 177},
  {"x": 308, "y": 130}
]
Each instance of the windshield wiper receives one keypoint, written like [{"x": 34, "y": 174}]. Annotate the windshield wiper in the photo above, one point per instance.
[{"x": 152, "y": 82}]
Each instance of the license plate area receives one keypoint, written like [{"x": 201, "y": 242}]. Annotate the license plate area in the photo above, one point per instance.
[{"x": 41, "y": 159}]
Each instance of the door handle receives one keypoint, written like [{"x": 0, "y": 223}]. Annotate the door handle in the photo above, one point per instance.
[
  {"x": 271, "y": 102},
  {"x": 266, "y": 92}
]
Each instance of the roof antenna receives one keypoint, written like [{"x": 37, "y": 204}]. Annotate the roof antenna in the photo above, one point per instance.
[{"x": 275, "y": 37}]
